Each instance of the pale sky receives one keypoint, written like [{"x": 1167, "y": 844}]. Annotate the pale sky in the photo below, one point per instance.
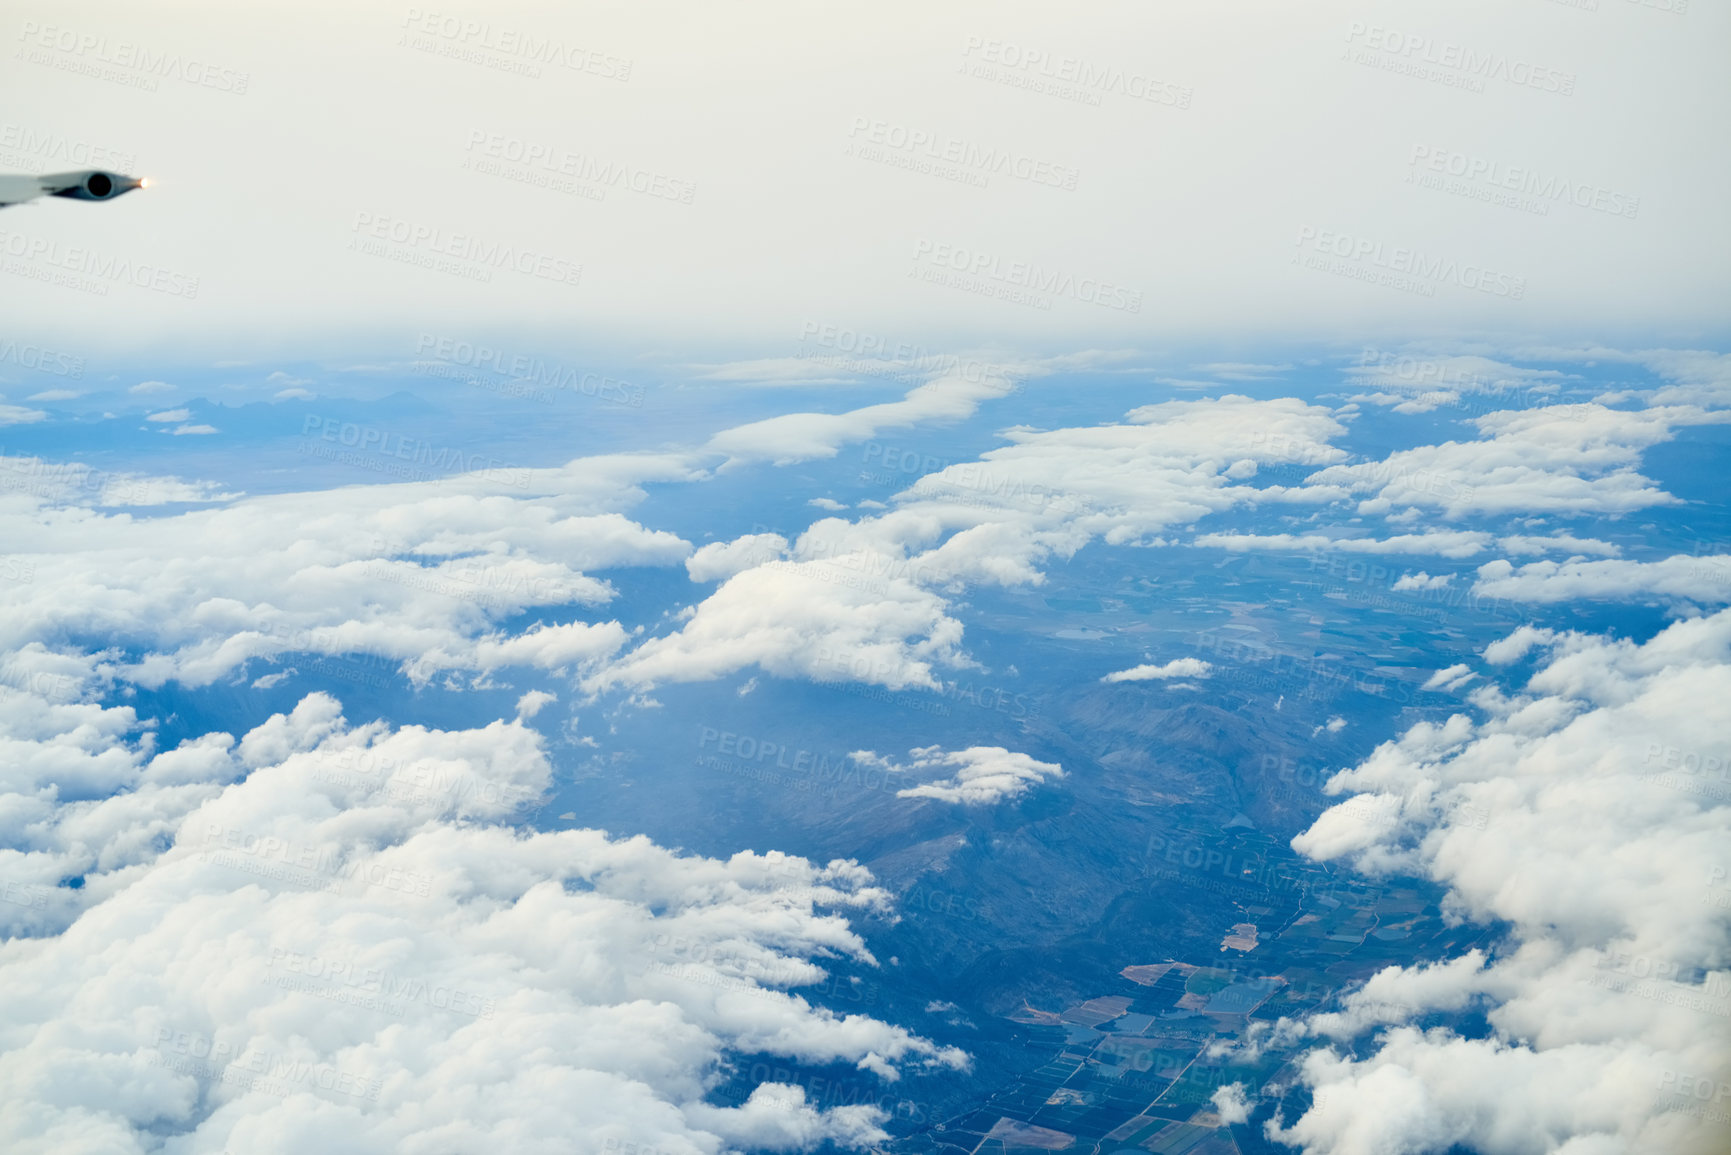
[{"x": 1193, "y": 163}]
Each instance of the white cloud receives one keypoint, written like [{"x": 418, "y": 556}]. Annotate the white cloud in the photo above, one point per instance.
[
  {"x": 827, "y": 503},
  {"x": 1587, "y": 813},
  {"x": 324, "y": 934},
  {"x": 1559, "y": 459},
  {"x": 168, "y": 415},
  {"x": 1702, "y": 579},
  {"x": 531, "y": 703},
  {"x": 184, "y": 430},
  {"x": 980, "y": 775},
  {"x": 152, "y": 387},
  {"x": 1442, "y": 543},
  {"x": 796, "y": 437},
  {"x": 1422, "y": 581},
  {"x": 1333, "y": 726},
  {"x": 1422, "y": 403},
  {"x": 848, "y": 618},
  {"x": 1232, "y": 1103},
  {"x": 1176, "y": 668},
  {"x": 18, "y": 415},
  {"x": 295, "y": 394},
  {"x": 418, "y": 574},
  {"x": 1557, "y": 543},
  {"x": 1452, "y": 678},
  {"x": 55, "y": 395},
  {"x": 720, "y": 560}
]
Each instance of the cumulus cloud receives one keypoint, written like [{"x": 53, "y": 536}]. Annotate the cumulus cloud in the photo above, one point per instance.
[
  {"x": 796, "y": 437},
  {"x": 830, "y": 621},
  {"x": 722, "y": 559},
  {"x": 1557, "y": 543},
  {"x": 1176, "y": 668},
  {"x": 1559, "y": 459},
  {"x": 40, "y": 483},
  {"x": 1422, "y": 581},
  {"x": 170, "y": 415},
  {"x": 1050, "y": 492},
  {"x": 327, "y": 932},
  {"x": 18, "y": 415},
  {"x": 1586, "y": 812},
  {"x": 1451, "y": 678},
  {"x": 1232, "y": 1103},
  {"x": 979, "y": 775},
  {"x": 419, "y": 575},
  {"x": 1704, "y": 579},
  {"x": 1442, "y": 543}
]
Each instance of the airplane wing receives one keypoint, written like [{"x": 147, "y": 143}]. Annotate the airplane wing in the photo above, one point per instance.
[{"x": 85, "y": 185}]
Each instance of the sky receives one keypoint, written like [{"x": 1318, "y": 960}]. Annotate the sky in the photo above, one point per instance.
[{"x": 721, "y": 177}]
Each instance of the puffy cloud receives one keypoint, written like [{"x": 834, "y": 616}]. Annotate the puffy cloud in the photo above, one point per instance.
[
  {"x": 420, "y": 575},
  {"x": 835, "y": 620},
  {"x": 170, "y": 415},
  {"x": 1561, "y": 459},
  {"x": 1049, "y": 493},
  {"x": 1587, "y": 813},
  {"x": 723, "y": 559},
  {"x": 1232, "y": 1103},
  {"x": 18, "y": 415},
  {"x": 329, "y": 936},
  {"x": 796, "y": 437},
  {"x": 38, "y": 482},
  {"x": 1557, "y": 543},
  {"x": 532, "y": 703},
  {"x": 1702, "y": 579},
  {"x": 1452, "y": 678},
  {"x": 1421, "y": 403},
  {"x": 1422, "y": 581},
  {"x": 1176, "y": 668},
  {"x": 1442, "y": 543},
  {"x": 981, "y": 774}
]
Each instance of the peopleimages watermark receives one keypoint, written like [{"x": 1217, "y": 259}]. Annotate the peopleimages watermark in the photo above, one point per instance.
[
  {"x": 255, "y": 1069},
  {"x": 985, "y": 484},
  {"x": 27, "y": 147},
  {"x": 520, "y": 374},
  {"x": 121, "y": 61},
  {"x": 385, "y": 451},
  {"x": 85, "y": 269},
  {"x": 41, "y": 358},
  {"x": 270, "y": 856},
  {"x": 23, "y": 894},
  {"x": 1447, "y": 63},
  {"x": 1513, "y": 186},
  {"x": 1021, "y": 282},
  {"x": 504, "y": 48},
  {"x": 1366, "y": 259},
  {"x": 857, "y": 351},
  {"x": 421, "y": 781},
  {"x": 1064, "y": 77},
  {"x": 1703, "y": 775},
  {"x": 561, "y": 170},
  {"x": 371, "y": 988},
  {"x": 938, "y": 154},
  {"x": 457, "y": 254}
]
